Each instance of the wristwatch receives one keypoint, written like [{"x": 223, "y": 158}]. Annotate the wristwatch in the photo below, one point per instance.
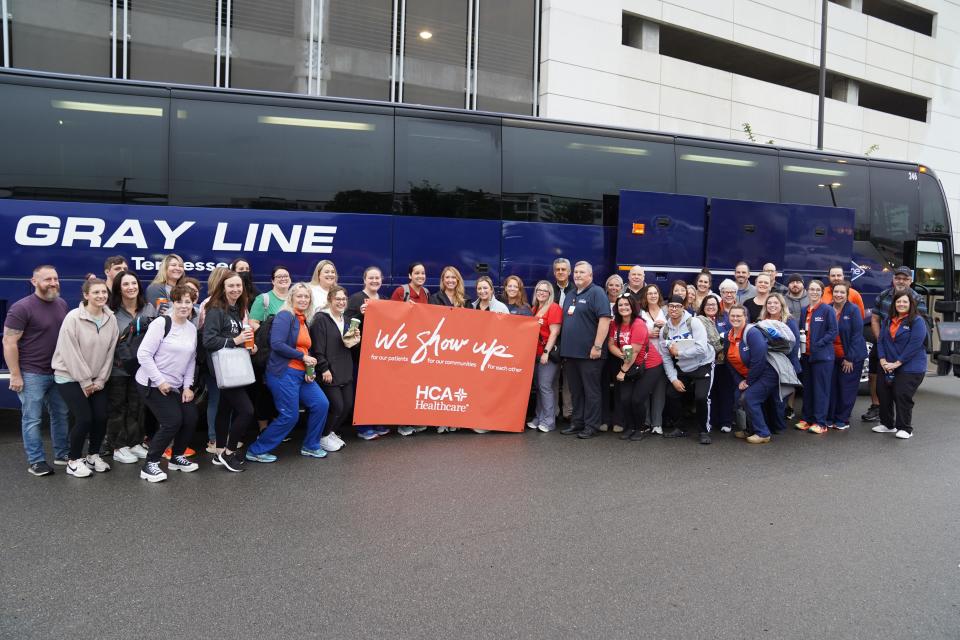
[{"x": 597, "y": 346}]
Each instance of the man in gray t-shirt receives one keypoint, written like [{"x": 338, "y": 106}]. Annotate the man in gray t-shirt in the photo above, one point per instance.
[{"x": 30, "y": 334}]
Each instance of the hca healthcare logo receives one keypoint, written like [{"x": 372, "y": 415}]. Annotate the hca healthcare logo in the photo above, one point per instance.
[{"x": 435, "y": 398}]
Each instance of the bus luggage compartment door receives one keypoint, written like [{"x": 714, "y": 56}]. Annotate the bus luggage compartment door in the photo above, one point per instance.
[
  {"x": 817, "y": 238},
  {"x": 473, "y": 246},
  {"x": 661, "y": 231},
  {"x": 742, "y": 230}
]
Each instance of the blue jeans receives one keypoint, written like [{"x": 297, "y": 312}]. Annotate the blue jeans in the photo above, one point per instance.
[
  {"x": 290, "y": 390},
  {"x": 546, "y": 413},
  {"x": 39, "y": 390}
]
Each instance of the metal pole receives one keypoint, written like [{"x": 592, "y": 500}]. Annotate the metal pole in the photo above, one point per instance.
[
  {"x": 536, "y": 57},
  {"x": 126, "y": 39},
  {"x": 217, "y": 50},
  {"x": 403, "y": 42},
  {"x": 823, "y": 74},
  {"x": 320, "y": 91},
  {"x": 469, "y": 84},
  {"x": 313, "y": 13},
  {"x": 393, "y": 55},
  {"x": 113, "y": 36},
  {"x": 476, "y": 52}
]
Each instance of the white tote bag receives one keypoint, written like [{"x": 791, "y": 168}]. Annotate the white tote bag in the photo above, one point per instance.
[{"x": 232, "y": 368}]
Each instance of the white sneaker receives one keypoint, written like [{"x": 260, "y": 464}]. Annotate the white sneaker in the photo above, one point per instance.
[
  {"x": 544, "y": 429},
  {"x": 98, "y": 464},
  {"x": 327, "y": 443},
  {"x": 481, "y": 430},
  {"x": 882, "y": 429},
  {"x": 336, "y": 438},
  {"x": 78, "y": 468},
  {"x": 405, "y": 431},
  {"x": 419, "y": 429},
  {"x": 904, "y": 435},
  {"x": 139, "y": 451},
  {"x": 658, "y": 431},
  {"x": 124, "y": 455},
  {"x": 603, "y": 427},
  {"x": 532, "y": 424},
  {"x": 726, "y": 429}
]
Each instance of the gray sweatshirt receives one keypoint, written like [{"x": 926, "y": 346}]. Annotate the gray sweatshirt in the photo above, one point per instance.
[
  {"x": 795, "y": 304},
  {"x": 691, "y": 357}
]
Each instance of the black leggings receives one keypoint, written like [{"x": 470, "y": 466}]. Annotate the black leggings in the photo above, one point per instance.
[
  {"x": 89, "y": 417},
  {"x": 237, "y": 403},
  {"x": 341, "y": 405},
  {"x": 634, "y": 395},
  {"x": 177, "y": 420}
]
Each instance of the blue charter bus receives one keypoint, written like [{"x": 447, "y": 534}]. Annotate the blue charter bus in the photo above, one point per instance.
[{"x": 91, "y": 168}]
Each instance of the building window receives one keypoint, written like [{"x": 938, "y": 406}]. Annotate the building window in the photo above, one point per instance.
[
  {"x": 357, "y": 59},
  {"x": 435, "y": 52},
  {"x": 172, "y": 41},
  {"x": 506, "y": 62},
  {"x": 473, "y": 54},
  {"x": 731, "y": 57},
  {"x": 906, "y": 15},
  {"x": 64, "y": 36}
]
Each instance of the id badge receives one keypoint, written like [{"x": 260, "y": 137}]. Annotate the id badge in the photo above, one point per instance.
[{"x": 570, "y": 309}]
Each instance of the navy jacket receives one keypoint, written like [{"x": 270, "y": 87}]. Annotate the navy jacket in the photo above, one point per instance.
[
  {"x": 906, "y": 347},
  {"x": 823, "y": 331},
  {"x": 850, "y": 326},
  {"x": 753, "y": 353},
  {"x": 283, "y": 342}
]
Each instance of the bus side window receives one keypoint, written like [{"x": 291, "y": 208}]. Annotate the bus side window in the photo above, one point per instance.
[
  {"x": 559, "y": 176},
  {"x": 263, "y": 156},
  {"x": 83, "y": 145},
  {"x": 447, "y": 168},
  {"x": 725, "y": 173}
]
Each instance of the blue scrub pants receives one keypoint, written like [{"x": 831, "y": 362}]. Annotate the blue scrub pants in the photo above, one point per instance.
[
  {"x": 816, "y": 390},
  {"x": 290, "y": 390},
  {"x": 756, "y": 396},
  {"x": 843, "y": 392}
]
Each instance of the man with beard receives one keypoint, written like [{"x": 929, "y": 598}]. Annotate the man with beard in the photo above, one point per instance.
[
  {"x": 29, "y": 339},
  {"x": 745, "y": 290}
]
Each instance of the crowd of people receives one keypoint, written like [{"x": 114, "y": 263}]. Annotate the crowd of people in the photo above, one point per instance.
[{"x": 132, "y": 365}]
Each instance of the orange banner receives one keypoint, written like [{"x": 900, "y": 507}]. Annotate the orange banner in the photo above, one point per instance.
[{"x": 429, "y": 365}]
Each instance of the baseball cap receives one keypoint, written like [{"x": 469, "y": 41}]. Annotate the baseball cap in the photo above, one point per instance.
[
  {"x": 677, "y": 300},
  {"x": 906, "y": 271}
]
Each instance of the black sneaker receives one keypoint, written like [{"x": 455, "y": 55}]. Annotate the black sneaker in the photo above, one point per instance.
[
  {"x": 674, "y": 433},
  {"x": 232, "y": 462},
  {"x": 571, "y": 430},
  {"x": 627, "y": 433},
  {"x": 872, "y": 414},
  {"x": 789, "y": 413},
  {"x": 587, "y": 433},
  {"x": 705, "y": 438},
  {"x": 40, "y": 469}
]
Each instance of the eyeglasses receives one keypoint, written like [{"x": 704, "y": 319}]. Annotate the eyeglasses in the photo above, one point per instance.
[
  {"x": 674, "y": 306},
  {"x": 339, "y": 299},
  {"x": 543, "y": 290}
]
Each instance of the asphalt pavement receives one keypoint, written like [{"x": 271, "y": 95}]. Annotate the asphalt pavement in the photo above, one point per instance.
[{"x": 847, "y": 535}]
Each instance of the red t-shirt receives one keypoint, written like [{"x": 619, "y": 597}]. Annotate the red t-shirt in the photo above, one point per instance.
[
  {"x": 554, "y": 315},
  {"x": 422, "y": 297},
  {"x": 637, "y": 335}
]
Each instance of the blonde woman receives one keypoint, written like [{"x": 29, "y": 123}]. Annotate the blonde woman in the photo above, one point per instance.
[
  {"x": 291, "y": 372},
  {"x": 550, "y": 316},
  {"x": 485, "y": 299},
  {"x": 324, "y": 278},
  {"x": 452, "y": 292},
  {"x": 168, "y": 275}
]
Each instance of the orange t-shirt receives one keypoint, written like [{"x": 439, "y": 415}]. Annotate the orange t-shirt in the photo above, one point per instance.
[
  {"x": 733, "y": 352},
  {"x": 303, "y": 343},
  {"x": 837, "y": 344},
  {"x": 852, "y": 296}
]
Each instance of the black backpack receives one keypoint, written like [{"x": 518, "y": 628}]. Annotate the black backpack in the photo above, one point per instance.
[{"x": 129, "y": 342}]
